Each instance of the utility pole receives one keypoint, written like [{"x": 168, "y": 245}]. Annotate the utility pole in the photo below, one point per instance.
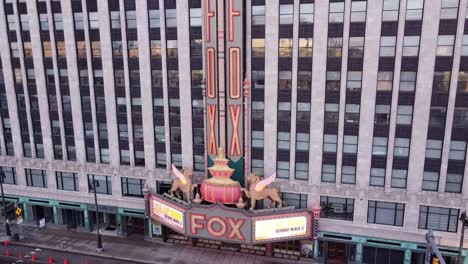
[
  {"x": 7, "y": 224},
  {"x": 464, "y": 221},
  {"x": 99, "y": 240}
]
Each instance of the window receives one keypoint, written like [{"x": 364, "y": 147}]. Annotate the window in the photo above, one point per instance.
[
  {"x": 328, "y": 173},
  {"x": 28, "y": 49},
  {"x": 302, "y": 171},
  {"x": 379, "y": 146},
  {"x": 117, "y": 49},
  {"x": 329, "y": 143},
  {"x": 258, "y": 15},
  {"x": 283, "y": 169},
  {"x": 78, "y": 17},
  {"x": 401, "y": 147},
  {"x": 356, "y": 47},
  {"x": 305, "y": 47},
  {"x": 433, "y": 149},
  {"x": 306, "y": 13},
  {"x": 358, "y": 11},
  {"x": 411, "y": 46},
  {"x": 61, "y": 52},
  {"x": 333, "y": 81},
  {"x": 445, "y": 45},
  {"x": 441, "y": 81},
  {"x": 172, "y": 48},
  {"x": 348, "y": 174},
  {"x": 399, "y": 178},
  {"x": 407, "y": 81},
  {"x": 96, "y": 49},
  {"x": 460, "y": 118},
  {"x": 352, "y": 113},
  {"x": 105, "y": 158},
  {"x": 93, "y": 20},
  {"x": 438, "y": 218},
  {"x": 171, "y": 19},
  {"x": 353, "y": 82},
  {"x": 404, "y": 114},
  {"x": 195, "y": 17},
  {"x": 337, "y": 208},
  {"x": 14, "y": 49},
  {"x": 453, "y": 183},
  {"x": 387, "y": 46},
  {"x": 350, "y": 144},
  {"x": 58, "y": 21},
  {"x": 464, "y": 50},
  {"x": 257, "y": 166},
  {"x": 385, "y": 213},
  {"x": 304, "y": 80},
  {"x": 414, "y": 9},
  {"x": 335, "y": 45},
  {"x": 331, "y": 113},
  {"x": 132, "y": 187},
  {"x": 336, "y": 13},
  {"x": 377, "y": 177},
  {"x": 457, "y": 150},
  {"x": 258, "y": 48},
  {"x": 437, "y": 116},
  {"x": 159, "y": 134},
  {"x": 103, "y": 184},
  {"x": 67, "y": 181},
  {"x": 132, "y": 49},
  {"x": 285, "y": 47},
  {"x": 285, "y": 80},
  {"x": 131, "y": 19},
  {"x": 298, "y": 200},
  {"x": 8, "y": 175},
  {"x": 257, "y": 139},
  {"x": 430, "y": 181},
  {"x": 286, "y": 14},
  {"x": 390, "y": 10},
  {"x": 462, "y": 85},
  {"x": 283, "y": 140},
  {"x": 24, "y": 20},
  {"x": 384, "y": 81},
  {"x": 156, "y": 48},
  {"x": 449, "y": 9},
  {"x": 11, "y": 22},
  {"x": 258, "y": 79},
  {"x": 44, "y": 22},
  {"x": 302, "y": 141},
  {"x": 81, "y": 49},
  {"x": 382, "y": 114},
  {"x": 154, "y": 19},
  {"x": 36, "y": 178},
  {"x": 115, "y": 19}
]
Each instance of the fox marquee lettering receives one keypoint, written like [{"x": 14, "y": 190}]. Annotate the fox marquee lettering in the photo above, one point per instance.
[
  {"x": 217, "y": 226},
  {"x": 224, "y": 46}
]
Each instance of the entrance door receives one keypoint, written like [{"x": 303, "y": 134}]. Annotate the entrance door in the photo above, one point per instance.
[
  {"x": 72, "y": 218},
  {"x": 40, "y": 212},
  {"x": 336, "y": 253}
]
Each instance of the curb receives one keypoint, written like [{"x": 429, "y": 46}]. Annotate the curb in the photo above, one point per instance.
[{"x": 84, "y": 253}]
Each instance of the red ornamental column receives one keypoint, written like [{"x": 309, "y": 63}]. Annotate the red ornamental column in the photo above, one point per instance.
[
  {"x": 246, "y": 129},
  {"x": 316, "y": 213}
]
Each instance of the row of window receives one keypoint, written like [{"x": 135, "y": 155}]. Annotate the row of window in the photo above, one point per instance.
[
  {"x": 388, "y": 213},
  {"x": 68, "y": 181}
]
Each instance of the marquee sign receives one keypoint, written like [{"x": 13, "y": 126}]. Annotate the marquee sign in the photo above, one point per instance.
[
  {"x": 218, "y": 222},
  {"x": 167, "y": 213}
]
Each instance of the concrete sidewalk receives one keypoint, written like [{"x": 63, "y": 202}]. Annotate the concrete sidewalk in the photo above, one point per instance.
[{"x": 135, "y": 250}]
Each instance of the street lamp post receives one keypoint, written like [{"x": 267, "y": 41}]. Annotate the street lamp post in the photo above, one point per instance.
[
  {"x": 99, "y": 240},
  {"x": 464, "y": 221}
]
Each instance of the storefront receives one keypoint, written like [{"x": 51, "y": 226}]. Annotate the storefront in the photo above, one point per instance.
[
  {"x": 107, "y": 219},
  {"x": 343, "y": 249},
  {"x": 72, "y": 215},
  {"x": 132, "y": 223},
  {"x": 38, "y": 209}
]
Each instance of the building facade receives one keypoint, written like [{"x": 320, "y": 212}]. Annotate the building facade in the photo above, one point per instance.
[{"x": 360, "y": 106}]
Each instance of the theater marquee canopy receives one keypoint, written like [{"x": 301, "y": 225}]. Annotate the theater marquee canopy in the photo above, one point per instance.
[{"x": 232, "y": 225}]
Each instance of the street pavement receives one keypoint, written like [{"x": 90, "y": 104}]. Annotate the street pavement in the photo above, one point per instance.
[{"x": 80, "y": 247}]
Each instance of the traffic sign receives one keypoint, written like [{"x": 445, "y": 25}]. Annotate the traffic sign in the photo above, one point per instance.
[{"x": 18, "y": 211}]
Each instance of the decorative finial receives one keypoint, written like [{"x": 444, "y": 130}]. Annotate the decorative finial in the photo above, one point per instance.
[{"x": 221, "y": 153}]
